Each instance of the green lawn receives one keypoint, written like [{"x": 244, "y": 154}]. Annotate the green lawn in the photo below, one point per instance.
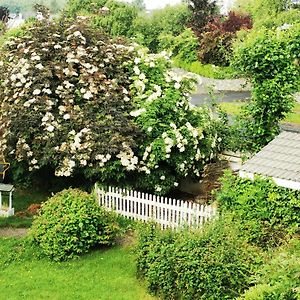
[
  {"x": 102, "y": 274},
  {"x": 234, "y": 108}
]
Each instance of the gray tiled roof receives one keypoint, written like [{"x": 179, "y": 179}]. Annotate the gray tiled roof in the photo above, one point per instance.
[{"x": 279, "y": 159}]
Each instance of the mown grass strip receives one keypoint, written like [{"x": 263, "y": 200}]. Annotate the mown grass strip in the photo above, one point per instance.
[{"x": 102, "y": 274}]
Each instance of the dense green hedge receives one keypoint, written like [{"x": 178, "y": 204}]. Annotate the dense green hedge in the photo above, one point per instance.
[
  {"x": 268, "y": 212},
  {"x": 212, "y": 263}
]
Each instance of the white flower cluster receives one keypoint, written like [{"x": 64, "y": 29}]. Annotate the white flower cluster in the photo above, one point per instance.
[
  {"x": 103, "y": 159},
  {"x": 77, "y": 143},
  {"x": 77, "y": 35},
  {"x": 66, "y": 168},
  {"x": 169, "y": 142},
  {"x": 127, "y": 158}
]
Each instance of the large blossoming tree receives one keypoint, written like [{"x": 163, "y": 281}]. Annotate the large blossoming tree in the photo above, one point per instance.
[{"x": 75, "y": 102}]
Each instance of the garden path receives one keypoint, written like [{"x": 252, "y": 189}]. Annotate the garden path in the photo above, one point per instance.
[{"x": 225, "y": 90}]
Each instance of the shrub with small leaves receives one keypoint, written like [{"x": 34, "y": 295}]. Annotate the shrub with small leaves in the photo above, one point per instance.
[
  {"x": 209, "y": 263},
  {"x": 70, "y": 223},
  {"x": 278, "y": 278},
  {"x": 267, "y": 212}
]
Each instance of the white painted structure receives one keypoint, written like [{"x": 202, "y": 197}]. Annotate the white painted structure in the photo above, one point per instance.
[
  {"x": 6, "y": 208},
  {"x": 145, "y": 207},
  {"x": 279, "y": 160},
  {"x": 290, "y": 184}
]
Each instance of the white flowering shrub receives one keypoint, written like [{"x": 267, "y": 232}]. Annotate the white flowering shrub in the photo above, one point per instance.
[
  {"x": 75, "y": 102},
  {"x": 178, "y": 139}
]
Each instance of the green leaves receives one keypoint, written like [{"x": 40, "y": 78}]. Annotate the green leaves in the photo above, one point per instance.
[
  {"x": 70, "y": 223},
  {"x": 269, "y": 59},
  {"x": 210, "y": 263},
  {"x": 267, "y": 212}
]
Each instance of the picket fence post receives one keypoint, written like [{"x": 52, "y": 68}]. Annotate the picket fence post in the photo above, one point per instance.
[{"x": 167, "y": 212}]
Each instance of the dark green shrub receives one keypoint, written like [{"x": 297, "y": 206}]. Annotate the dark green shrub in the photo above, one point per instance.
[
  {"x": 70, "y": 223},
  {"x": 278, "y": 279},
  {"x": 97, "y": 108},
  {"x": 213, "y": 263},
  {"x": 268, "y": 212}
]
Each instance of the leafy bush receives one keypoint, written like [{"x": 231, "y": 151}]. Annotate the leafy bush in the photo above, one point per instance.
[
  {"x": 119, "y": 19},
  {"x": 261, "y": 9},
  {"x": 170, "y": 21},
  {"x": 278, "y": 278},
  {"x": 184, "y": 47},
  {"x": 217, "y": 36},
  {"x": 114, "y": 18},
  {"x": 97, "y": 108},
  {"x": 212, "y": 263},
  {"x": 70, "y": 223},
  {"x": 271, "y": 61},
  {"x": 291, "y": 16},
  {"x": 267, "y": 212}
]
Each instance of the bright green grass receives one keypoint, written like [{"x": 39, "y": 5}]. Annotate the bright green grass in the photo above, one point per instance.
[
  {"x": 102, "y": 274},
  {"x": 206, "y": 70},
  {"x": 234, "y": 108}
]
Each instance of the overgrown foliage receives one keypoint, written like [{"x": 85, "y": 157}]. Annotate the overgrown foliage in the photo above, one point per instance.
[
  {"x": 217, "y": 37},
  {"x": 114, "y": 18},
  {"x": 184, "y": 47},
  {"x": 261, "y": 9},
  {"x": 202, "y": 12},
  {"x": 291, "y": 16},
  {"x": 268, "y": 213},
  {"x": 98, "y": 108},
  {"x": 211, "y": 263},
  {"x": 270, "y": 59},
  {"x": 170, "y": 21},
  {"x": 70, "y": 223},
  {"x": 279, "y": 277}
]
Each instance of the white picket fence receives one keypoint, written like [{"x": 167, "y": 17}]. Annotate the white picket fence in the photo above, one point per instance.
[{"x": 147, "y": 207}]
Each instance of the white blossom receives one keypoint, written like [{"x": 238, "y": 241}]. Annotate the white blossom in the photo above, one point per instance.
[
  {"x": 36, "y": 92},
  {"x": 136, "y": 70},
  {"x": 50, "y": 128},
  {"x": 138, "y": 112},
  {"x": 39, "y": 66},
  {"x": 88, "y": 95},
  {"x": 66, "y": 117}
]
